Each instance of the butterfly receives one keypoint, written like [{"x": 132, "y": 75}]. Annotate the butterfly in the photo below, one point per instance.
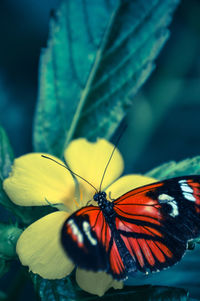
[{"x": 147, "y": 229}]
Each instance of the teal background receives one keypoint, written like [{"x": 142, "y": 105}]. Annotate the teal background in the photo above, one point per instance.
[{"x": 163, "y": 123}]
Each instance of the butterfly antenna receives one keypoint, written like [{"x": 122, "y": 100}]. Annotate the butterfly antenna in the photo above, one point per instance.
[
  {"x": 117, "y": 142},
  {"x": 46, "y": 157}
]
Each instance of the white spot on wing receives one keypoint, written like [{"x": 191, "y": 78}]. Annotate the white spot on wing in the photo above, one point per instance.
[
  {"x": 75, "y": 230},
  {"x": 86, "y": 229},
  {"x": 187, "y": 191},
  {"x": 165, "y": 197},
  {"x": 189, "y": 196},
  {"x": 174, "y": 206},
  {"x": 182, "y": 181},
  {"x": 186, "y": 188}
]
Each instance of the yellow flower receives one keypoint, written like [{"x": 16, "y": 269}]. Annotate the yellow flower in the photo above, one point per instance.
[{"x": 36, "y": 181}]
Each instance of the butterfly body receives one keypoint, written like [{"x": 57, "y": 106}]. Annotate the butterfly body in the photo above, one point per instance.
[
  {"x": 105, "y": 205},
  {"x": 146, "y": 229},
  {"x": 109, "y": 214}
]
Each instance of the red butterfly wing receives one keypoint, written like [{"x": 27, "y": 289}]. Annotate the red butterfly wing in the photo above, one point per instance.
[
  {"x": 89, "y": 243},
  {"x": 156, "y": 221},
  {"x": 148, "y": 229}
]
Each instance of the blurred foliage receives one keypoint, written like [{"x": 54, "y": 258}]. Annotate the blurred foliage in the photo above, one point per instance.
[
  {"x": 173, "y": 169},
  {"x": 8, "y": 238},
  {"x": 6, "y": 159},
  {"x": 67, "y": 289}
]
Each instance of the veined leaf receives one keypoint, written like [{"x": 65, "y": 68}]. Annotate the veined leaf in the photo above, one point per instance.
[
  {"x": 98, "y": 51},
  {"x": 176, "y": 169}
]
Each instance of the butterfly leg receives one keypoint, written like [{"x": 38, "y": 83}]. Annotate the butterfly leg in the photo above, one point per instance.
[
  {"x": 52, "y": 205},
  {"x": 88, "y": 203},
  {"x": 109, "y": 194}
]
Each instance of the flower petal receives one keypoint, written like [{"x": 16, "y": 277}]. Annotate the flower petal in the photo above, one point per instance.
[
  {"x": 127, "y": 183},
  {"x": 96, "y": 283},
  {"x": 34, "y": 180},
  {"x": 89, "y": 160},
  {"x": 39, "y": 247}
]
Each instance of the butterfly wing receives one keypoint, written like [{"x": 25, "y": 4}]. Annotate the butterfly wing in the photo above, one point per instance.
[
  {"x": 88, "y": 241},
  {"x": 81, "y": 242},
  {"x": 152, "y": 226},
  {"x": 156, "y": 221}
]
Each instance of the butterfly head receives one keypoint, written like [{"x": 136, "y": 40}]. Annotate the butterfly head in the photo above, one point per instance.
[{"x": 99, "y": 197}]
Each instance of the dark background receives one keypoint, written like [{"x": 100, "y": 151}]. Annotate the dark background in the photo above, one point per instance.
[{"x": 163, "y": 123}]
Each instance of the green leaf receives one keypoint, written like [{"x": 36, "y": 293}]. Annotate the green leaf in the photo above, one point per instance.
[
  {"x": 4, "y": 267},
  {"x": 176, "y": 169},
  {"x": 9, "y": 235},
  {"x": 67, "y": 289},
  {"x": 6, "y": 160},
  {"x": 6, "y": 155},
  {"x": 98, "y": 52}
]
